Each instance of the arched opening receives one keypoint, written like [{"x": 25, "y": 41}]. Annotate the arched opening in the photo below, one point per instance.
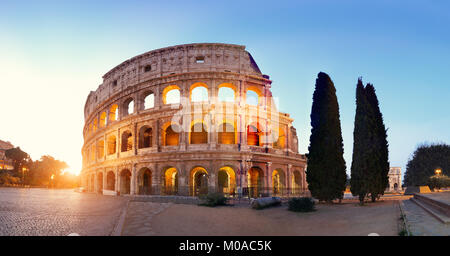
[
  {"x": 171, "y": 95},
  {"x": 171, "y": 181},
  {"x": 149, "y": 101},
  {"x": 113, "y": 113},
  {"x": 145, "y": 181},
  {"x": 92, "y": 187},
  {"x": 278, "y": 183},
  {"x": 145, "y": 137},
  {"x": 226, "y": 134},
  {"x": 111, "y": 144},
  {"x": 125, "y": 182},
  {"x": 110, "y": 181},
  {"x": 127, "y": 141},
  {"x": 252, "y": 98},
  {"x": 255, "y": 179},
  {"x": 395, "y": 186},
  {"x": 172, "y": 135},
  {"x": 94, "y": 127},
  {"x": 296, "y": 183},
  {"x": 199, "y": 181},
  {"x": 103, "y": 120},
  {"x": 100, "y": 149},
  {"x": 128, "y": 107},
  {"x": 253, "y": 135},
  {"x": 198, "y": 134},
  {"x": 199, "y": 92},
  {"x": 226, "y": 180},
  {"x": 278, "y": 138},
  {"x": 226, "y": 93},
  {"x": 100, "y": 182}
]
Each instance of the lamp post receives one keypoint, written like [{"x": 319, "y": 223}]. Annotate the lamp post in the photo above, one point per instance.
[{"x": 438, "y": 171}]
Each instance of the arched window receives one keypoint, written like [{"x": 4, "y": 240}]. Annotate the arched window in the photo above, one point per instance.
[
  {"x": 252, "y": 135},
  {"x": 199, "y": 92},
  {"x": 111, "y": 144},
  {"x": 145, "y": 137},
  {"x": 94, "y": 127},
  {"x": 127, "y": 141},
  {"x": 278, "y": 138},
  {"x": 103, "y": 120},
  {"x": 113, "y": 113},
  {"x": 252, "y": 98},
  {"x": 172, "y": 136},
  {"x": 199, "y": 135},
  {"x": 226, "y": 94},
  {"x": 149, "y": 101},
  {"x": 128, "y": 106},
  {"x": 100, "y": 149},
  {"x": 226, "y": 134},
  {"x": 171, "y": 95}
]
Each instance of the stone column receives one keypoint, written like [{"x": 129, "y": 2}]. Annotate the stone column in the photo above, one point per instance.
[
  {"x": 269, "y": 185},
  {"x": 133, "y": 185},
  {"x": 288, "y": 178},
  {"x": 117, "y": 179},
  {"x": 105, "y": 180}
]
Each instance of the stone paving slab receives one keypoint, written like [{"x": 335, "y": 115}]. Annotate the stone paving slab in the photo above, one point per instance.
[
  {"x": 51, "y": 212},
  {"x": 139, "y": 217},
  {"x": 421, "y": 223}
]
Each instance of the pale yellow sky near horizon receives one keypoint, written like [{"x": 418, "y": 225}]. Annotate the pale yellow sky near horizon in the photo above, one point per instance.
[{"x": 42, "y": 104}]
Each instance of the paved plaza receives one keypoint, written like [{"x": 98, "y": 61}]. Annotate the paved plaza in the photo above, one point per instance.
[
  {"x": 47, "y": 212},
  {"x": 43, "y": 212}
]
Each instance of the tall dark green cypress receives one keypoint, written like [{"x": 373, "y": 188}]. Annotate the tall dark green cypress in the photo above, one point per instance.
[
  {"x": 380, "y": 168},
  {"x": 326, "y": 173},
  {"x": 360, "y": 173},
  {"x": 370, "y": 163}
]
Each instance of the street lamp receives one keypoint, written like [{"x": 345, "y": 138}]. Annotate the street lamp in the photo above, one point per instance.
[{"x": 438, "y": 171}]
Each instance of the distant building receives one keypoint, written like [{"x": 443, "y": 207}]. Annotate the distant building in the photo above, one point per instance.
[
  {"x": 395, "y": 179},
  {"x": 5, "y": 163}
]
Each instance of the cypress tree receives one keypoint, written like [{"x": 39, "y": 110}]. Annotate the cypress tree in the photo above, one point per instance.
[
  {"x": 360, "y": 179},
  {"x": 326, "y": 173},
  {"x": 380, "y": 168},
  {"x": 370, "y": 163}
]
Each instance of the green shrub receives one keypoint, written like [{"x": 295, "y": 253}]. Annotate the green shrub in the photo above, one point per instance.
[
  {"x": 301, "y": 204},
  {"x": 438, "y": 181},
  {"x": 213, "y": 199}
]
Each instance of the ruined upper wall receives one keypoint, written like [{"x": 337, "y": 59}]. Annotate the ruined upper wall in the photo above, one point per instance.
[{"x": 200, "y": 57}]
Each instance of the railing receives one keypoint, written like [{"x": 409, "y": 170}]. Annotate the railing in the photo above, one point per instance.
[{"x": 247, "y": 192}]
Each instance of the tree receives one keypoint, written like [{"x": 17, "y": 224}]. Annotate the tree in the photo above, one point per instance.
[
  {"x": 424, "y": 161},
  {"x": 380, "y": 153},
  {"x": 370, "y": 162},
  {"x": 360, "y": 174},
  {"x": 43, "y": 169},
  {"x": 326, "y": 173},
  {"x": 18, "y": 157}
]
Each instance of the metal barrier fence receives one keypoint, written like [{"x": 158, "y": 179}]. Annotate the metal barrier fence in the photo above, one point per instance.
[{"x": 247, "y": 192}]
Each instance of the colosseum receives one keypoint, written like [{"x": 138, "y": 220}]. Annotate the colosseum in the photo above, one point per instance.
[{"x": 188, "y": 120}]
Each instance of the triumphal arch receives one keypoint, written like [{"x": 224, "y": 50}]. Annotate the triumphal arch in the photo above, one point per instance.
[{"x": 188, "y": 120}]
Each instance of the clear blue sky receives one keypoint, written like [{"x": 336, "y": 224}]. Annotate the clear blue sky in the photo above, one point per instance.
[{"x": 54, "y": 52}]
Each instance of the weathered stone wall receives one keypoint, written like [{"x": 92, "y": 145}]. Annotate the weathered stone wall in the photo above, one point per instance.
[{"x": 220, "y": 65}]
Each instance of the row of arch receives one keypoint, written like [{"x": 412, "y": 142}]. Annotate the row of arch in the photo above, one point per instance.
[
  {"x": 199, "y": 182},
  {"x": 198, "y": 134},
  {"x": 199, "y": 92}
]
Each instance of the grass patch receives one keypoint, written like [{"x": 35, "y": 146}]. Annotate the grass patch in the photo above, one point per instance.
[{"x": 301, "y": 204}]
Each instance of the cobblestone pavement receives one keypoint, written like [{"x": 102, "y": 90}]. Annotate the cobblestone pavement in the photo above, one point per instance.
[
  {"x": 421, "y": 223},
  {"x": 44, "y": 212},
  {"x": 139, "y": 217}
]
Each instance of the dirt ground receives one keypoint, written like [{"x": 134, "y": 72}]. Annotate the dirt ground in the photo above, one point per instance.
[{"x": 343, "y": 219}]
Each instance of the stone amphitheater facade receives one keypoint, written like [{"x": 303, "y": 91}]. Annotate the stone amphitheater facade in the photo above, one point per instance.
[{"x": 187, "y": 120}]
